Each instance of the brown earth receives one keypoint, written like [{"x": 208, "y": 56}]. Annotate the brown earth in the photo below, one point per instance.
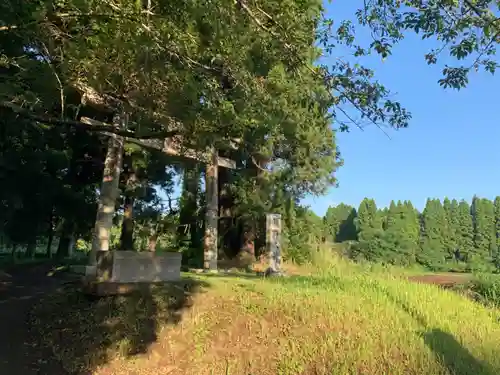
[{"x": 443, "y": 280}]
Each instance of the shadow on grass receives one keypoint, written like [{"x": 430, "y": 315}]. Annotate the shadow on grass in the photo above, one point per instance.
[
  {"x": 457, "y": 359},
  {"x": 81, "y": 333},
  {"x": 453, "y": 355}
]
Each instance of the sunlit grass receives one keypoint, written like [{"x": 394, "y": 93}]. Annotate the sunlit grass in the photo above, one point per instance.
[{"x": 347, "y": 319}]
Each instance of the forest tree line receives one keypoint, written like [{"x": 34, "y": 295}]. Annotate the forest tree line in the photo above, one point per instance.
[{"x": 446, "y": 235}]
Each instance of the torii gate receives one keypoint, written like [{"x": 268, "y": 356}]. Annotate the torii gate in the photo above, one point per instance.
[{"x": 169, "y": 146}]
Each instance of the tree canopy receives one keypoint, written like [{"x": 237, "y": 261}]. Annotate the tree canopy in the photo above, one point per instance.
[{"x": 240, "y": 76}]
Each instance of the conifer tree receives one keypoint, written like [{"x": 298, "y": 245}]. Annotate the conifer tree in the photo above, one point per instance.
[
  {"x": 484, "y": 230},
  {"x": 347, "y": 228},
  {"x": 397, "y": 244},
  {"x": 369, "y": 228},
  {"x": 412, "y": 219},
  {"x": 496, "y": 207},
  {"x": 465, "y": 231},
  {"x": 392, "y": 216},
  {"x": 450, "y": 234},
  {"x": 433, "y": 252},
  {"x": 330, "y": 224},
  {"x": 383, "y": 213},
  {"x": 491, "y": 228},
  {"x": 339, "y": 223},
  {"x": 368, "y": 218}
]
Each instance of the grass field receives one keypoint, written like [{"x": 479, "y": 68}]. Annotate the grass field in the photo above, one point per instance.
[{"x": 344, "y": 320}]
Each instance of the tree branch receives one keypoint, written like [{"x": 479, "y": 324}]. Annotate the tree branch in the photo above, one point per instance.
[
  {"x": 474, "y": 8},
  {"x": 87, "y": 124}
]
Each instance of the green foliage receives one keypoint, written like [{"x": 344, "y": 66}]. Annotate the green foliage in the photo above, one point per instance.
[
  {"x": 486, "y": 288},
  {"x": 302, "y": 234},
  {"x": 339, "y": 223},
  {"x": 450, "y": 234},
  {"x": 411, "y": 219},
  {"x": 496, "y": 205},
  {"x": 433, "y": 236},
  {"x": 368, "y": 219},
  {"x": 465, "y": 237},
  {"x": 391, "y": 237},
  {"x": 484, "y": 230},
  {"x": 369, "y": 226},
  {"x": 399, "y": 241}
]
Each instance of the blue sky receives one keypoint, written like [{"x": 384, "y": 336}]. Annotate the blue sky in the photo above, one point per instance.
[{"x": 452, "y": 147}]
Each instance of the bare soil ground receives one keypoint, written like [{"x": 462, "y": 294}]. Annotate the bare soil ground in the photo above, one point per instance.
[
  {"x": 442, "y": 279},
  {"x": 20, "y": 288}
]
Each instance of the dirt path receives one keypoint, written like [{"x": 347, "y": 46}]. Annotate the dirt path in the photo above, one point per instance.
[{"x": 20, "y": 289}]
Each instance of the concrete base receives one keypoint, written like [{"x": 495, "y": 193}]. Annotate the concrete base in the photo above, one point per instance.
[{"x": 121, "y": 272}]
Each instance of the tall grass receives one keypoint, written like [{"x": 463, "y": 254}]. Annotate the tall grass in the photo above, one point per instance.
[
  {"x": 486, "y": 289},
  {"x": 329, "y": 260}
]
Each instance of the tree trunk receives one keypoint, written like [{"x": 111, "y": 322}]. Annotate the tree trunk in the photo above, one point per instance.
[
  {"x": 50, "y": 240},
  {"x": 249, "y": 226},
  {"x": 248, "y": 238},
  {"x": 127, "y": 234},
  {"x": 13, "y": 252},
  {"x": 64, "y": 239},
  {"x": 109, "y": 192},
  {"x": 68, "y": 217},
  {"x": 187, "y": 232},
  {"x": 228, "y": 231},
  {"x": 50, "y": 234},
  {"x": 30, "y": 238},
  {"x": 153, "y": 240},
  {"x": 31, "y": 249},
  {"x": 128, "y": 224},
  {"x": 211, "y": 218}
]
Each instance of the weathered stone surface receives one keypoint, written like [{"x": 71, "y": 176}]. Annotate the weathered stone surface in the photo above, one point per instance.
[
  {"x": 273, "y": 240},
  {"x": 133, "y": 267},
  {"x": 130, "y": 267}
]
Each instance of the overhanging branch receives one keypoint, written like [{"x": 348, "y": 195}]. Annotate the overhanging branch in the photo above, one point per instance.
[{"x": 88, "y": 124}]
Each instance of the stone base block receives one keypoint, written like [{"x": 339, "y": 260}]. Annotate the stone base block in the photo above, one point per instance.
[{"x": 120, "y": 272}]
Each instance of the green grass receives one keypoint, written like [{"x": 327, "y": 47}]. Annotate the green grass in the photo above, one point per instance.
[
  {"x": 485, "y": 288},
  {"x": 347, "y": 319}
]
